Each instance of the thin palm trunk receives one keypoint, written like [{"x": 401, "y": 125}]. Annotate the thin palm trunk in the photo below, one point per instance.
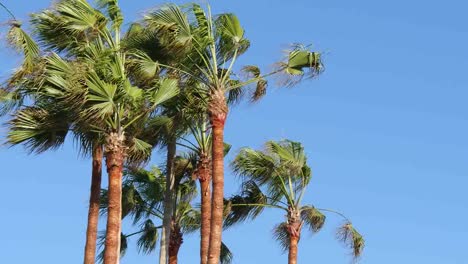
[
  {"x": 294, "y": 232},
  {"x": 204, "y": 177},
  {"x": 168, "y": 202},
  {"x": 114, "y": 162},
  {"x": 93, "y": 211},
  {"x": 218, "y": 112},
  {"x": 292, "y": 255},
  {"x": 176, "y": 241}
]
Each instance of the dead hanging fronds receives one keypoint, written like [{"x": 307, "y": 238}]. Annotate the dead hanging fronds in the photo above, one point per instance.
[{"x": 351, "y": 237}]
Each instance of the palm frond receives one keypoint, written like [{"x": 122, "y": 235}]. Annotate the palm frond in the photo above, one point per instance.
[
  {"x": 313, "y": 218},
  {"x": 23, "y": 43},
  {"x": 248, "y": 205},
  {"x": 39, "y": 129},
  {"x": 171, "y": 18},
  {"x": 147, "y": 241},
  {"x": 226, "y": 256},
  {"x": 352, "y": 238},
  {"x": 281, "y": 235}
]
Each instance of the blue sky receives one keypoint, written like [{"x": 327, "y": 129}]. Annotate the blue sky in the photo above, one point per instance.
[{"x": 385, "y": 129}]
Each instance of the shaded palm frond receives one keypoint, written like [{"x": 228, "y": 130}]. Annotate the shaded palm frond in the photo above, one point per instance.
[
  {"x": 148, "y": 238},
  {"x": 313, "y": 218},
  {"x": 248, "y": 205},
  {"x": 226, "y": 255},
  {"x": 280, "y": 234},
  {"x": 39, "y": 129}
]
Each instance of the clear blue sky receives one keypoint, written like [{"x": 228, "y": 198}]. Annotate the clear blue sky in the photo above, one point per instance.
[{"x": 385, "y": 129}]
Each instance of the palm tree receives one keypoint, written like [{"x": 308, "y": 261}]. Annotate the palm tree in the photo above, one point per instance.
[
  {"x": 277, "y": 178},
  {"x": 211, "y": 47},
  {"x": 102, "y": 93},
  {"x": 44, "y": 126},
  {"x": 143, "y": 200}
]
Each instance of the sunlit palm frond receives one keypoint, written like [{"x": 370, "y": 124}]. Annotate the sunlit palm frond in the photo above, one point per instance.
[
  {"x": 171, "y": 18},
  {"x": 113, "y": 11},
  {"x": 23, "y": 43},
  {"x": 255, "y": 165}
]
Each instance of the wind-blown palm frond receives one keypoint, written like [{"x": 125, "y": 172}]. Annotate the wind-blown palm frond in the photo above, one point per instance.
[
  {"x": 171, "y": 18},
  {"x": 39, "y": 128},
  {"x": 248, "y": 205},
  {"x": 313, "y": 218},
  {"x": 280, "y": 233},
  {"x": 148, "y": 238},
  {"x": 352, "y": 238}
]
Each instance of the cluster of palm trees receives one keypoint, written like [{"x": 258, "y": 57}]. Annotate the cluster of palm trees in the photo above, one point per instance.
[{"x": 166, "y": 82}]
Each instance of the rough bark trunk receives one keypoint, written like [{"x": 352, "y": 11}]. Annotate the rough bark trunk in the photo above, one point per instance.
[
  {"x": 115, "y": 154},
  {"x": 218, "y": 112},
  {"x": 168, "y": 202},
  {"x": 93, "y": 211},
  {"x": 176, "y": 241},
  {"x": 292, "y": 255},
  {"x": 204, "y": 176},
  {"x": 294, "y": 231}
]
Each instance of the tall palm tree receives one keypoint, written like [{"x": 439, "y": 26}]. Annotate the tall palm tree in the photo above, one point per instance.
[
  {"x": 277, "y": 178},
  {"x": 102, "y": 94},
  {"x": 44, "y": 126},
  {"x": 212, "y": 46}
]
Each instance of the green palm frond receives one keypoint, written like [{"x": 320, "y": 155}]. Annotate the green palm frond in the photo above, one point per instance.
[
  {"x": 167, "y": 89},
  {"x": 148, "y": 238},
  {"x": 300, "y": 63},
  {"x": 246, "y": 206},
  {"x": 40, "y": 129},
  {"x": 352, "y": 238},
  {"x": 313, "y": 218},
  {"x": 171, "y": 18},
  {"x": 226, "y": 255},
  {"x": 113, "y": 11},
  {"x": 281, "y": 235},
  {"x": 23, "y": 43}
]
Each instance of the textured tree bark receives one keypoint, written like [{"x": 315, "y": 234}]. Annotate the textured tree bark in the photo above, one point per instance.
[
  {"x": 93, "y": 211},
  {"x": 168, "y": 202},
  {"x": 204, "y": 176},
  {"x": 292, "y": 255},
  {"x": 115, "y": 154},
  {"x": 176, "y": 241},
  {"x": 218, "y": 112},
  {"x": 294, "y": 232}
]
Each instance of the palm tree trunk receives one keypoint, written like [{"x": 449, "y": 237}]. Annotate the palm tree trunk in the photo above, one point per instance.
[
  {"x": 204, "y": 177},
  {"x": 294, "y": 232},
  {"x": 176, "y": 241},
  {"x": 93, "y": 211},
  {"x": 115, "y": 154},
  {"x": 292, "y": 255},
  {"x": 168, "y": 202},
  {"x": 218, "y": 112}
]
